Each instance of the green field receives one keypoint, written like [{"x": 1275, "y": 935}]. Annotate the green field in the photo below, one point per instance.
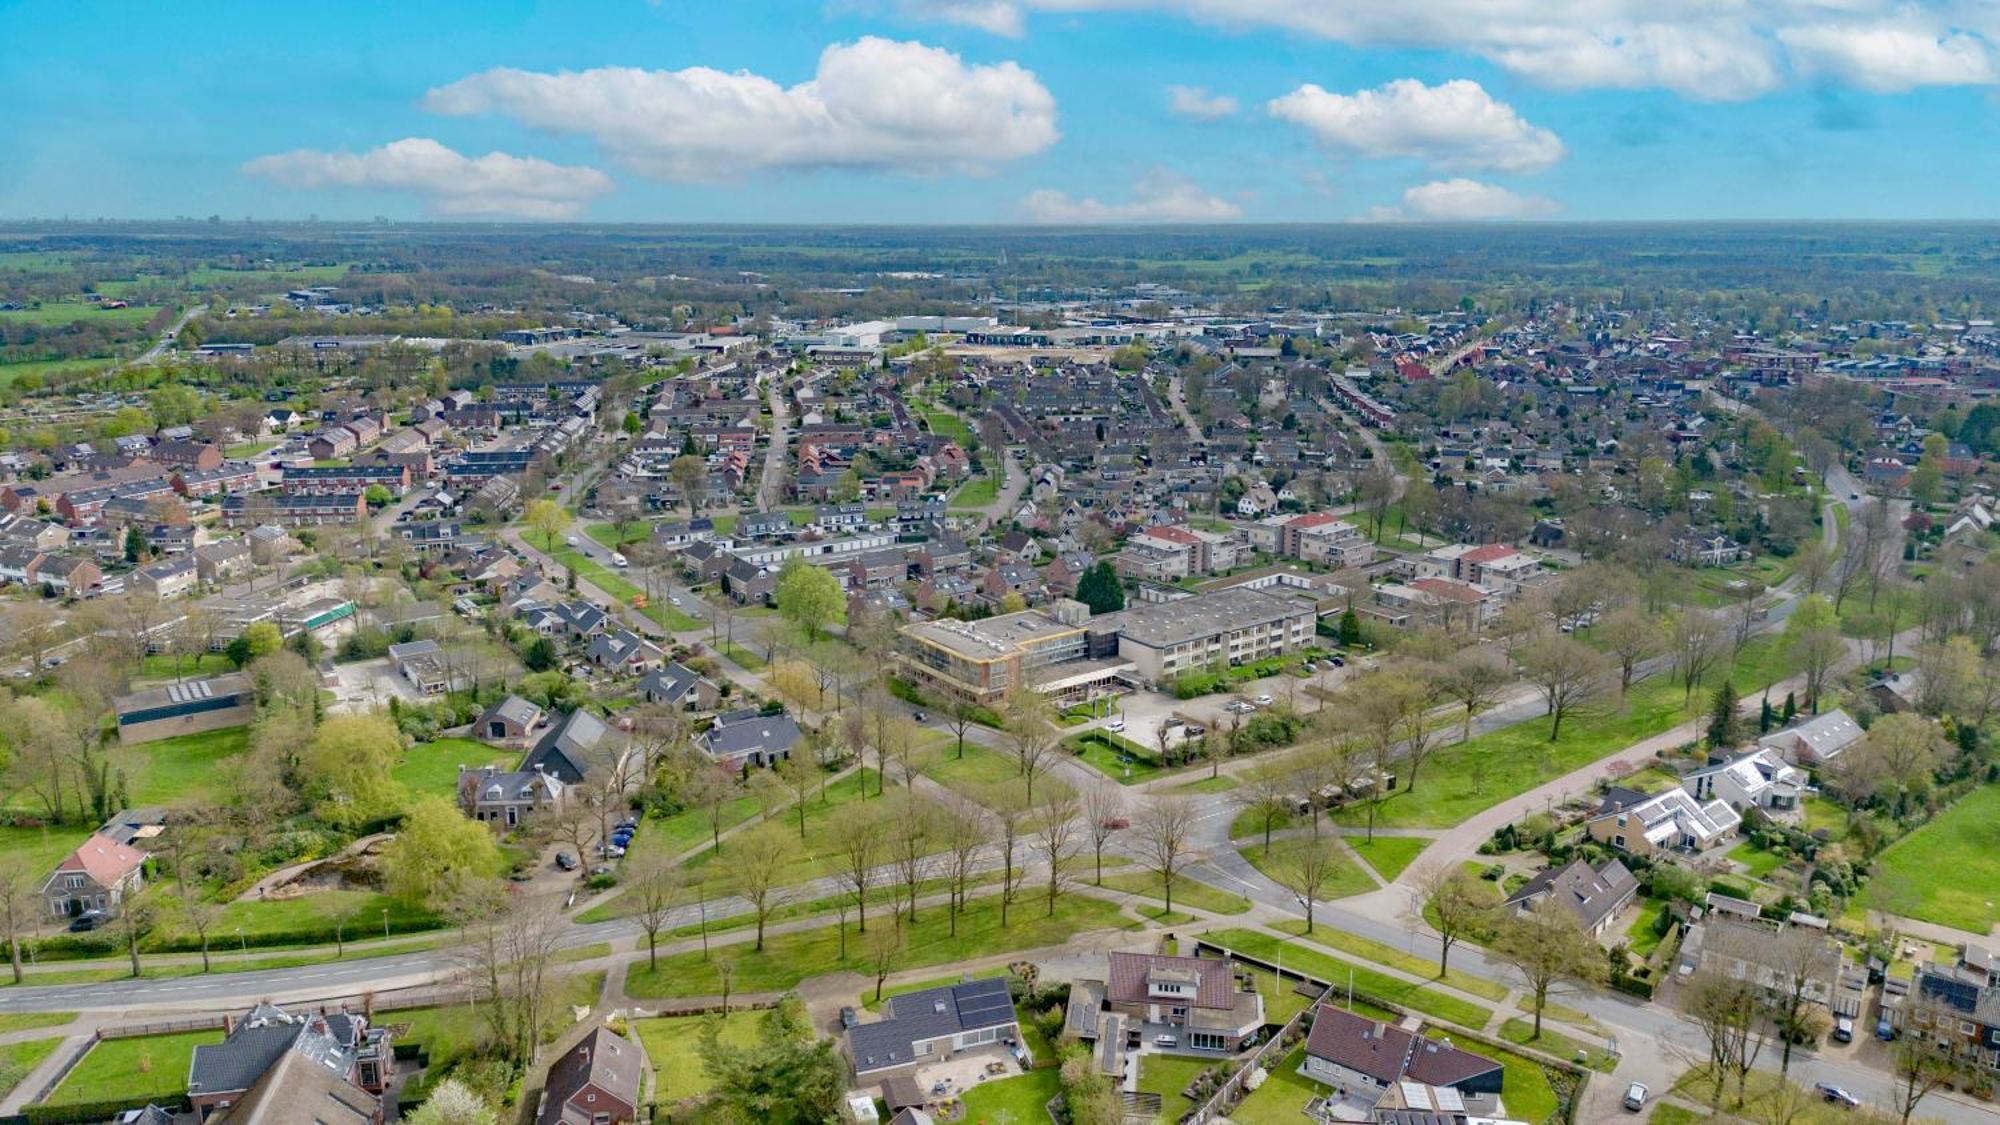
[
  {"x": 1459, "y": 781},
  {"x": 246, "y": 450},
  {"x": 46, "y": 368},
  {"x": 1400, "y": 960},
  {"x": 674, "y": 1046},
  {"x": 186, "y": 768},
  {"x": 1951, "y": 865},
  {"x": 1389, "y": 855},
  {"x": 818, "y": 849},
  {"x": 979, "y": 766},
  {"x": 66, "y": 312},
  {"x": 1187, "y": 892},
  {"x": 133, "y": 1071},
  {"x": 1336, "y": 971},
  {"x": 790, "y": 958},
  {"x": 948, "y": 425},
  {"x": 976, "y": 493},
  {"x": 1639, "y": 936},
  {"x": 1167, "y": 1076},
  {"x": 1553, "y": 1043},
  {"x": 1348, "y": 878},
  {"x": 1759, "y": 861},
  {"x": 1282, "y": 1099},
  {"x": 1114, "y": 756}
]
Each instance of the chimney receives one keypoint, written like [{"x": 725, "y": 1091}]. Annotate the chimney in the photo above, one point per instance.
[{"x": 228, "y": 1025}]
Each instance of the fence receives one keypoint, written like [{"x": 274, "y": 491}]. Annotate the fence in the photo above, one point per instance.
[
  {"x": 171, "y": 1027},
  {"x": 1232, "y": 1089}
]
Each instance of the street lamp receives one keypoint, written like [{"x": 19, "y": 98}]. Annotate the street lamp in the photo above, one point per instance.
[{"x": 385, "y": 921}]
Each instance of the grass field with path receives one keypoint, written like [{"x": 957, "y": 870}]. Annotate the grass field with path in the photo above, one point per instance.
[
  {"x": 789, "y": 958},
  {"x": 1400, "y": 960},
  {"x": 1348, "y": 877},
  {"x": 18, "y": 1060},
  {"x": 976, "y": 493},
  {"x": 1187, "y": 892},
  {"x": 1389, "y": 855}
]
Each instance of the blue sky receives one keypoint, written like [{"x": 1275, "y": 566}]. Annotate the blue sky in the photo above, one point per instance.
[{"x": 998, "y": 111}]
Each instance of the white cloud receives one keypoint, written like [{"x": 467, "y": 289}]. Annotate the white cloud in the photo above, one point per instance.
[
  {"x": 452, "y": 184},
  {"x": 1159, "y": 197},
  {"x": 1890, "y": 58},
  {"x": 997, "y": 17},
  {"x": 1709, "y": 49},
  {"x": 1452, "y": 125},
  {"x": 1199, "y": 104},
  {"x": 873, "y": 103},
  {"x": 1463, "y": 201}
]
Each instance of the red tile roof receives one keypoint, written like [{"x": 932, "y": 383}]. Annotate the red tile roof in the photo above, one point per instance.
[
  {"x": 1173, "y": 534},
  {"x": 1492, "y": 552},
  {"x": 105, "y": 860},
  {"x": 1128, "y": 978}
]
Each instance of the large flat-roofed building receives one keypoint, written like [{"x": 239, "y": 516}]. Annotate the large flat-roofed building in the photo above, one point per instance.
[
  {"x": 984, "y": 661},
  {"x": 186, "y": 708},
  {"x": 1232, "y": 626}
]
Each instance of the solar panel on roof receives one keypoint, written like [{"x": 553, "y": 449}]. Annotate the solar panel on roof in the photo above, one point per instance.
[{"x": 983, "y": 1003}]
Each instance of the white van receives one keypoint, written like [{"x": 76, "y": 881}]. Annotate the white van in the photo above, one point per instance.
[{"x": 617, "y": 559}]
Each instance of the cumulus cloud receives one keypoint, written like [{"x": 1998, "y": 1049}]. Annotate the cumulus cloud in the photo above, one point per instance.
[
  {"x": 1890, "y": 58},
  {"x": 1159, "y": 197},
  {"x": 1199, "y": 104},
  {"x": 451, "y": 184},
  {"x": 1463, "y": 201},
  {"x": 1452, "y": 125},
  {"x": 872, "y": 104},
  {"x": 1707, "y": 49}
]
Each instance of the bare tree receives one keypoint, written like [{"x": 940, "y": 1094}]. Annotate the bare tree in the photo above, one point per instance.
[
  {"x": 1307, "y": 870},
  {"x": 1474, "y": 678},
  {"x": 19, "y": 904},
  {"x": 1056, "y": 837},
  {"x": 1549, "y": 949},
  {"x": 1032, "y": 736},
  {"x": 1631, "y": 636},
  {"x": 962, "y": 830},
  {"x": 1269, "y": 795},
  {"x": 507, "y": 956},
  {"x": 758, "y": 869},
  {"x": 1103, "y": 815},
  {"x": 1730, "y": 1015},
  {"x": 858, "y": 839},
  {"x": 1009, "y": 805},
  {"x": 1565, "y": 671},
  {"x": 913, "y": 830},
  {"x": 799, "y": 777},
  {"x": 1453, "y": 902},
  {"x": 1694, "y": 644},
  {"x": 1164, "y": 833},
  {"x": 657, "y": 886},
  {"x": 882, "y": 948},
  {"x": 135, "y": 918},
  {"x": 1926, "y": 1060}
]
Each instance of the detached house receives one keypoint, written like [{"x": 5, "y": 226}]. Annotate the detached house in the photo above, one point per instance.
[
  {"x": 1594, "y": 895},
  {"x": 1184, "y": 1005},
  {"x": 507, "y": 797},
  {"x": 1757, "y": 780},
  {"x": 288, "y": 1056},
  {"x": 750, "y": 738},
  {"x": 1816, "y": 741},
  {"x": 1364, "y": 1061},
  {"x": 675, "y": 685},
  {"x": 931, "y": 1025},
  {"x": 1673, "y": 821},
  {"x": 96, "y": 876},
  {"x": 595, "y": 1082}
]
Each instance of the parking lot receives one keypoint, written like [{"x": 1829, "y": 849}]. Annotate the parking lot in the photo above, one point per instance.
[
  {"x": 1144, "y": 712},
  {"x": 367, "y": 685}
]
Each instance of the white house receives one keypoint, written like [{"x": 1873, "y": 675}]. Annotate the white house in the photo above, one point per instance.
[{"x": 1760, "y": 779}]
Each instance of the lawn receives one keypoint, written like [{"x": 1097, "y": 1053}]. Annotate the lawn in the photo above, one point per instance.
[
  {"x": 1389, "y": 855},
  {"x": 819, "y": 848},
  {"x": 976, "y": 493},
  {"x": 674, "y": 1045},
  {"x": 132, "y": 1071},
  {"x": 1281, "y": 1000},
  {"x": 1398, "y": 959},
  {"x": 1640, "y": 935},
  {"x": 186, "y": 768},
  {"x": 1220, "y": 784},
  {"x": 1557, "y": 1045},
  {"x": 167, "y": 666},
  {"x": 1336, "y": 972},
  {"x": 979, "y": 766},
  {"x": 431, "y": 768},
  {"x": 1348, "y": 878},
  {"x": 949, "y": 425},
  {"x": 1187, "y": 892},
  {"x": 1667, "y": 1113},
  {"x": 33, "y": 1021},
  {"x": 46, "y": 368},
  {"x": 789, "y": 958},
  {"x": 604, "y": 578},
  {"x": 243, "y": 451},
  {"x": 1119, "y": 759},
  {"x": 18, "y": 1060},
  {"x": 1950, "y": 867},
  {"x": 1167, "y": 1076},
  {"x": 1282, "y": 1099},
  {"x": 1461, "y": 780},
  {"x": 1019, "y": 1100},
  {"x": 41, "y": 848},
  {"x": 1759, "y": 861}
]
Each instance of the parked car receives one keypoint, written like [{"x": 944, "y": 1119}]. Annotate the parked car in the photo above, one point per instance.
[
  {"x": 570, "y": 539},
  {"x": 919, "y": 716},
  {"x": 610, "y": 851},
  {"x": 1843, "y": 1029},
  {"x": 1884, "y": 1030},
  {"x": 1309, "y": 667},
  {"x": 618, "y": 559},
  {"x": 1336, "y": 661},
  {"x": 1837, "y": 1096},
  {"x": 88, "y": 921},
  {"x": 566, "y": 861},
  {"x": 1115, "y": 726},
  {"x": 1635, "y": 1096},
  {"x": 848, "y": 1017},
  {"x": 1263, "y": 701}
]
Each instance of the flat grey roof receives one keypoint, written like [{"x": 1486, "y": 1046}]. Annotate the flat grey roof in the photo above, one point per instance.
[{"x": 1166, "y": 624}]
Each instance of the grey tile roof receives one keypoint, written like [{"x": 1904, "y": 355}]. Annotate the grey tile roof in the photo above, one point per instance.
[
  {"x": 933, "y": 1013},
  {"x": 566, "y": 751},
  {"x": 749, "y": 732}
]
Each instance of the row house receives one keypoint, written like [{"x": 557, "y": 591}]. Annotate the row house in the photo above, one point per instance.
[
  {"x": 193, "y": 455},
  {"x": 230, "y": 476},
  {"x": 293, "y": 509},
  {"x": 344, "y": 479},
  {"x": 84, "y": 505}
]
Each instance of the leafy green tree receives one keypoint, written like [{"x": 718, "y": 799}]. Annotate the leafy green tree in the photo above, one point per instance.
[
  {"x": 549, "y": 518},
  {"x": 345, "y": 770},
  {"x": 809, "y": 598},
  {"x": 1100, "y": 589},
  {"x": 788, "y": 1074},
  {"x": 436, "y": 851},
  {"x": 264, "y": 639},
  {"x": 377, "y": 496},
  {"x": 632, "y": 425},
  {"x": 135, "y": 545},
  {"x": 541, "y": 655},
  {"x": 1350, "y": 629}
]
